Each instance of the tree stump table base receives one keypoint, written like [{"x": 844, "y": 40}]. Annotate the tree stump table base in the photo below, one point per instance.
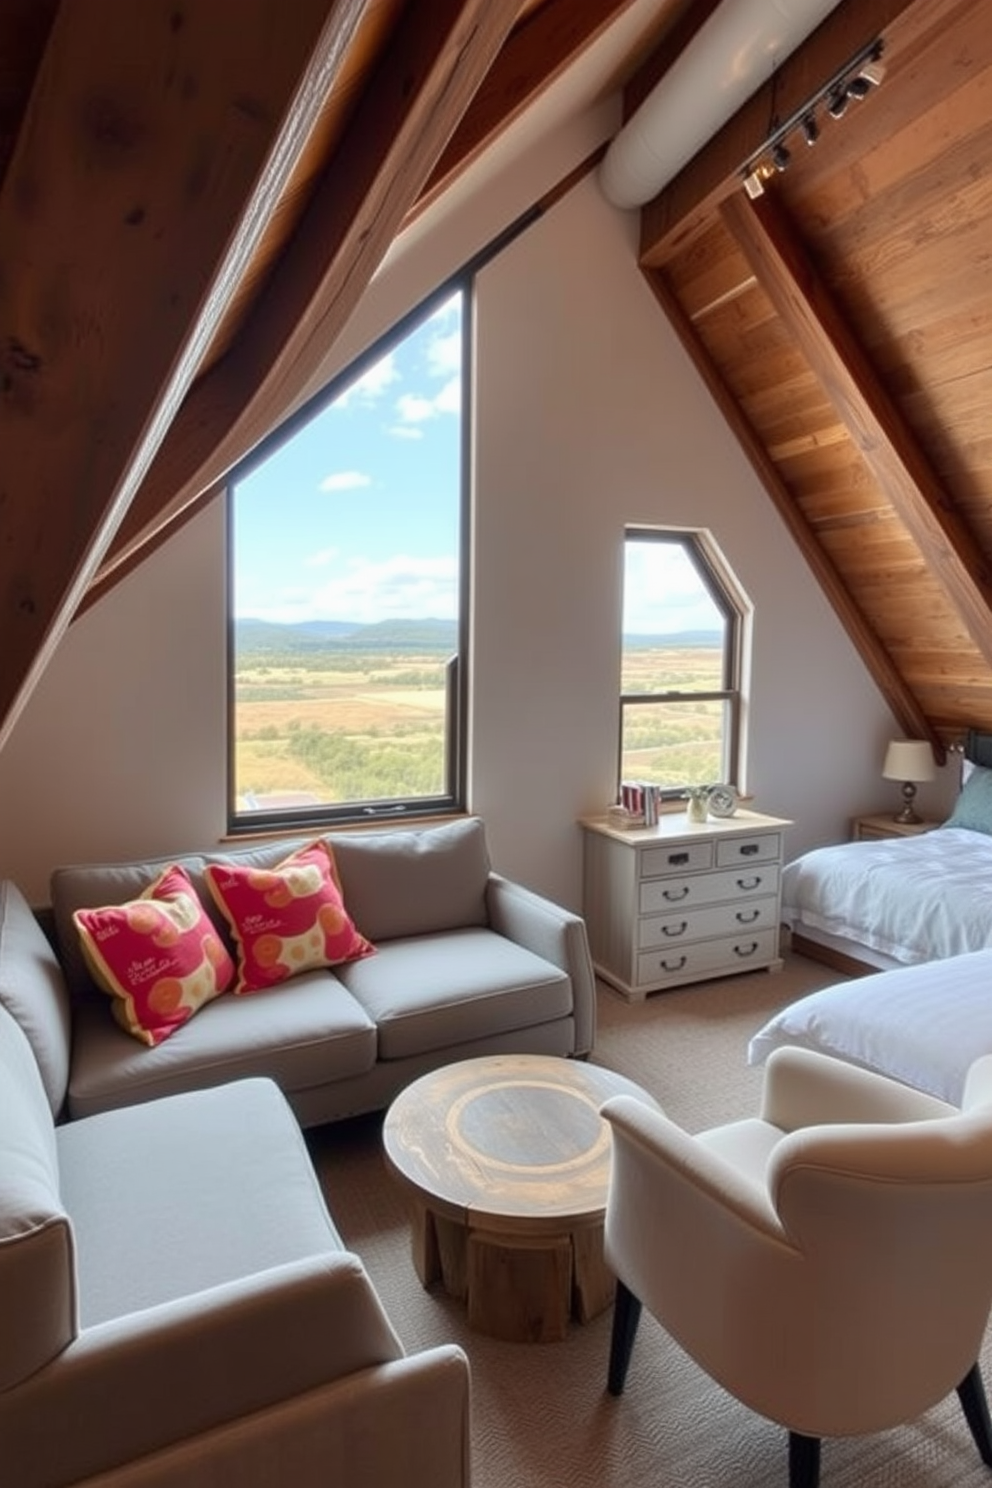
[{"x": 505, "y": 1161}]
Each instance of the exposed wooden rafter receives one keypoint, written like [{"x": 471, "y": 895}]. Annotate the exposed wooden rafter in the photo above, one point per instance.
[
  {"x": 183, "y": 132},
  {"x": 403, "y": 122},
  {"x": 899, "y": 697},
  {"x": 540, "y": 49},
  {"x": 868, "y": 412}
]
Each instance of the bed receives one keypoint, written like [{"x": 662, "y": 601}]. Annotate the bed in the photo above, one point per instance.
[
  {"x": 911, "y": 919},
  {"x": 900, "y": 901}
]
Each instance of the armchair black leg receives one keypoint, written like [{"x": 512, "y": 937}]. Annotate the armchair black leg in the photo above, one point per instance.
[
  {"x": 804, "y": 1460},
  {"x": 971, "y": 1393},
  {"x": 626, "y": 1316}
]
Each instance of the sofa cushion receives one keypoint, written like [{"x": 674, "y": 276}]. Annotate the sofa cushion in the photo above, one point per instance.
[
  {"x": 177, "y": 1196},
  {"x": 90, "y": 885},
  {"x": 286, "y": 919},
  {"x": 36, "y": 1260},
  {"x": 415, "y": 882},
  {"x": 317, "y": 1035},
  {"x": 33, "y": 990},
  {"x": 432, "y": 991},
  {"x": 159, "y": 956}
]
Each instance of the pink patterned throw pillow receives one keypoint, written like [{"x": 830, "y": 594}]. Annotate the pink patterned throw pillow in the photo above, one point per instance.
[
  {"x": 286, "y": 919},
  {"x": 159, "y": 957}
]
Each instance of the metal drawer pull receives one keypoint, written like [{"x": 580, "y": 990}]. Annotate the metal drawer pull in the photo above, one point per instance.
[
  {"x": 748, "y": 849},
  {"x": 677, "y": 967},
  {"x": 743, "y": 918},
  {"x": 677, "y": 859},
  {"x": 675, "y": 930},
  {"x": 674, "y": 895},
  {"x": 745, "y": 951},
  {"x": 749, "y": 883}
]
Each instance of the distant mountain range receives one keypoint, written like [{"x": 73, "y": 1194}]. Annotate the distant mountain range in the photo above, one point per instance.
[
  {"x": 268, "y": 638},
  {"x": 680, "y": 639}
]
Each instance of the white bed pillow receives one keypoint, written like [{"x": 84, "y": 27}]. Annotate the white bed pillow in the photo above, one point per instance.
[{"x": 923, "y": 1025}]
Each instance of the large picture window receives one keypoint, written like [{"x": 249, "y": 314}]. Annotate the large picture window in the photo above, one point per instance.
[
  {"x": 347, "y": 591},
  {"x": 681, "y": 654}
]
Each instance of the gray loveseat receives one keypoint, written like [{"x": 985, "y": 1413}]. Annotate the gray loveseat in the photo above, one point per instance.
[{"x": 466, "y": 963}]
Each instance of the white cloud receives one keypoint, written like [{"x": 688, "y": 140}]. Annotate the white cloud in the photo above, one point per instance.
[
  {"x": 405, "y": 431},
  {"x": 663, "y": 592},
  {"x": 345, "y": 480},
  {"x": 399, "y": 588},
  {"x": 417, "y": 408},
  {"x": 444, "y": 354},
  {"x": 372, "y": 383},
  {"x": 414, "y": 408},
  {"x": 449, "y": 399},
  {"x": 321, "y": 558}
]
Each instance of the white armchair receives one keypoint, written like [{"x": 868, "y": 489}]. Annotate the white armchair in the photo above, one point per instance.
[{"x": 828, "y": 1263}]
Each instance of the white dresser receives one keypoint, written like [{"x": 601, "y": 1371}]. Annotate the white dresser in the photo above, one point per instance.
[{"x": 680, "y": 902}]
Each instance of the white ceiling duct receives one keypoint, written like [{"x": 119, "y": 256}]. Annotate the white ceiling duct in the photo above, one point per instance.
[{"x": 728, "y": 59}]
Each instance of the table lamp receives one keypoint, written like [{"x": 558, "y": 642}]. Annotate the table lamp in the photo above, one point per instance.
[{"x": 911, "y": 761}]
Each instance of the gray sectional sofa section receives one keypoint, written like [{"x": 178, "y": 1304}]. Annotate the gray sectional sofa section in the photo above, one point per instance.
[{"x": 467, "y": 963}]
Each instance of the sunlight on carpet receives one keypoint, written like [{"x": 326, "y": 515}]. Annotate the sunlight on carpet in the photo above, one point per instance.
[{"x": 540, "y": 1413}]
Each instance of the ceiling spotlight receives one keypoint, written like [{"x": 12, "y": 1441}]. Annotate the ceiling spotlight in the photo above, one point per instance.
[
  {"x": 811, "y": 130},
  {"x": 780, "y": 157},
  {"x": 754, "y": 185},
  {"x": 873, "y": 72},
  {"x": 837, "y": 106},
  {"x": 858, "y": 87}
]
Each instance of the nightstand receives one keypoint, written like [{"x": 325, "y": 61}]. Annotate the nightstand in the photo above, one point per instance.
[{"x": 871, "y": 828}]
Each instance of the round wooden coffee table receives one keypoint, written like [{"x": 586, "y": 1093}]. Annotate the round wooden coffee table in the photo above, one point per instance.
[{"x": 506, "y": 1162}]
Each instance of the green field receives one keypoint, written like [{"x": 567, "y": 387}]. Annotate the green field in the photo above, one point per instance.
[{"x": 347, "y": 725}]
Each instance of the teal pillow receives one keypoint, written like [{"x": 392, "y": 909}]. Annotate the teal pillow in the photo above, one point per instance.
[{"x": 973, "y": 808}]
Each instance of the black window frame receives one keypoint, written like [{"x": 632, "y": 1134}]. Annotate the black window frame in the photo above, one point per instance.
[{"x": 452, "y": 800}]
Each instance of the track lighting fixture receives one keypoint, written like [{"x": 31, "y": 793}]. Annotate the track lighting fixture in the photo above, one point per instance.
[
  {"x": 837, "y": 107},
  {"x": 854, "y": 81}
]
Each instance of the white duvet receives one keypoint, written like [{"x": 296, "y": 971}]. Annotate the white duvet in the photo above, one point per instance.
[
  {"x": 923, "y": 1025},
  {"x": 912, "y": 898}
]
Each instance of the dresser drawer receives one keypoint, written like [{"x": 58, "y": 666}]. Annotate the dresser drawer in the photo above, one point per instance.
[
  {"x": 704, "y": 924},
  {"x": 659, "y": 895},
  {"x": 706, "y": 958},
  {"x": 763, "y": 847},
  {"x": 685, "y": 857}
]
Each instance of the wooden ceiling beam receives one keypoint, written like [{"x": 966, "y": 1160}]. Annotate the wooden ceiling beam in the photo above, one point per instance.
[
  {"x": 900, "y": 698},
  {"x": 546, "y": 43},
  {"x": 873, "y": 421},
  {"x": 172, "y": 145},
  {"x": 434, "y": 64},
  {"x": 671, "y": 219}
]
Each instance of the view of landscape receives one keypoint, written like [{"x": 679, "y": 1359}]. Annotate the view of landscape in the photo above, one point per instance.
[{"x": 330, "y": 712}]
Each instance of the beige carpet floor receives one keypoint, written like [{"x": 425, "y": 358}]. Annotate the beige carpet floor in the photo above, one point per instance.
[{"x": 540, "y": 1413}]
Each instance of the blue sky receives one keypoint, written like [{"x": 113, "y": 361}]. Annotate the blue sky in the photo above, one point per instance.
[{"x": 356, "y": 517}]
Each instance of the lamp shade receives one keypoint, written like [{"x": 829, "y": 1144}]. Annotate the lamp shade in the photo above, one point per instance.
[{"x": 908, "y": 759}]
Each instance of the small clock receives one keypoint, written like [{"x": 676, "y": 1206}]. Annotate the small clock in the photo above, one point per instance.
[{"x": 722, "y": 800}]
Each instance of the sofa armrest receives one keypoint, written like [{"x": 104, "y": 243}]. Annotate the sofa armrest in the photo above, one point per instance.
[
  {"x": 141, "y": 1382},
  {"x": 548, "y": 930},
  {"x": 387, "y": 1426}
]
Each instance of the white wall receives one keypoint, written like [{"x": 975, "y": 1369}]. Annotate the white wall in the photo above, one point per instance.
[{"x": 589, "y": 416}]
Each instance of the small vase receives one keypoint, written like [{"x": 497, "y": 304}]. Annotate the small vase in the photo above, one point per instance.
[{"x": 696, "y": 809}]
